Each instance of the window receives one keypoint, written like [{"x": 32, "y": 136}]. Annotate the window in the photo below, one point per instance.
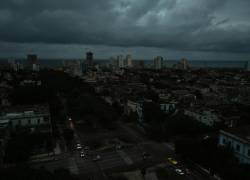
[
  {"x": 229, "y": 143},
  {"x": 29, "y": 121},
  {"x": 248, "y": 153},
  {"x": 38, "y": 121},
  {"x": 224, "y": 141},
  {"x": 19, "y": 122},
  {"x": 238, "y": 147}
]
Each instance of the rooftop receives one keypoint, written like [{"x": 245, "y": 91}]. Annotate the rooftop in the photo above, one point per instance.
[
  {"x": 241, "y": 132},
  {"x": 23, "y": 111},
  {"x": 15, "y": 110}
]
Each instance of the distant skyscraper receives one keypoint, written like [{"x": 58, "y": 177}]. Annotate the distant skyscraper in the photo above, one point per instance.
[
  {"x": 33, "y": 62},
  {"x": 15, "y": 65},
  {"x": 129, "y": 61},
  {"x": 182, "y": 65},
  {"x": 89, "y": 59},
  {"x": 32, "y": 58},
  {"x": 158, "y": 62},
  {"x": 120, "y": 60}
]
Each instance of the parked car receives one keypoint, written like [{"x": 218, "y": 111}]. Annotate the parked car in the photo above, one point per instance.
[
  {"x": 82, "y": 155},
  {"x": 179, "y": 171},
  {"x": 78, "y": 146}
]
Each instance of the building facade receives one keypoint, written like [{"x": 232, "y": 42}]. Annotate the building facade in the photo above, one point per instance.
[
  {"x": 239, "y": 141},
  {"x": 33, "y": 62},
  {"x": 158, "y": 62},
  {"x": 128, "y": 61},
  {"x": 36, "y": 118},
  {"x": 89, "y": 59},
  {"x": 120, "y": 61}
]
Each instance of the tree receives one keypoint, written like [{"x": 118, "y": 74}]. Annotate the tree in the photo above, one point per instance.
[
  {"x": 153, "y": 119},
  {"x": 68, "y": 135}
]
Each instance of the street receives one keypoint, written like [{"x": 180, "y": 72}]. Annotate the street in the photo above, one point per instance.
[
  {"x": 127, "y": 158},
  {"x": 112, "y": 160}
]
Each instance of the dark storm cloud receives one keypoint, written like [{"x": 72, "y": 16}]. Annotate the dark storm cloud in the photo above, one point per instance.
[{"x": 192, "y": 25}]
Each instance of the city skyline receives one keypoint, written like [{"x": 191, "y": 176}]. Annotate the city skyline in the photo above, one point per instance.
[{"x": 209, "y": 30}]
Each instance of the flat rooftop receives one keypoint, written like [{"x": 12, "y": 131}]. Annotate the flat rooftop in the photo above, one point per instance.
[
  {"x": 241, "y": 132},
  {"x": 15, "y": 110}
]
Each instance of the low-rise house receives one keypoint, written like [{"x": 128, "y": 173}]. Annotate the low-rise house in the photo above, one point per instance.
[
  {"x": 239, "y": 140},
  {"x": 35, "y": 118}
]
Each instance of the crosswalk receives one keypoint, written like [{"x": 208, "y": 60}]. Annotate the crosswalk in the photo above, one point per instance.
[{"x": 110, "y": 160}]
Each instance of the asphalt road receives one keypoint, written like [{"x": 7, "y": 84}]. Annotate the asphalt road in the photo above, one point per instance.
[{"x": 112, "y": 160}]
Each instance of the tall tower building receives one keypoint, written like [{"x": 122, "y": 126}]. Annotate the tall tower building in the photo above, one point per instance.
[
  {"x": 120, "y": 61},
  {"x": 89, "y": 59},
  {"x": 129, "y": 61},
  {"x": 184, "y": 64},
  {"x": 32, "y": 58},
  {"x": 33, "y": 62},
  {"x": 158, "y": 62}
]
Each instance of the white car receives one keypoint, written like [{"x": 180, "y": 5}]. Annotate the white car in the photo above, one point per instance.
[
  {"x": 82, "y": 155},
  {"x": 179, "y": 171},
  {"x": 78, "y": 146}
]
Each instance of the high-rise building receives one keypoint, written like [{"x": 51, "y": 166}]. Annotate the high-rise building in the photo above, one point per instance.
[
  {"x": 158, "y": 62},
  {"x": 33, "y": 62},
  {"x": 89, "y": 59},
  {"x": 32, "y": 58},
  {"x": 128, "y": 61},
  {"x": 120, "y": 60},
  {"x": 15, "y": 65},
  {"x": 182, "y": 65}
]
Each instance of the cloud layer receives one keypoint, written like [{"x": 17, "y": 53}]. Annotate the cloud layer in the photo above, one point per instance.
[{"x": 178, "y": 25}]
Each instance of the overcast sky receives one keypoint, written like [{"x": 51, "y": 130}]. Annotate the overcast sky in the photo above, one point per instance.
[{"x": 195, "y": 29}]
